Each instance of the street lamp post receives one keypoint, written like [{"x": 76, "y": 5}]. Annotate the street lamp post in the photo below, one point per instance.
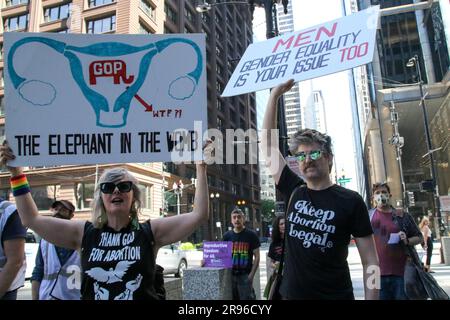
[
  {"x": 178, "y": 190},
  {"x": 214, "y": 199},
  {"x": 414, "y": 62},
  {"x": 270, "y": 7},
  {"x": 398, "y": 142}
]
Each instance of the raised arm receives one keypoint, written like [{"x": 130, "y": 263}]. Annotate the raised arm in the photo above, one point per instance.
[
  {"x": 171, "y": 229},
  {"x": 61, "y": 232},
  {"x": 269, "y": 136},
  {"x": 371, "y": 268}
]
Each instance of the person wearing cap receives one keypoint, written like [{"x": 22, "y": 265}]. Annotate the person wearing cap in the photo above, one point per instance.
[{"x": 56, "y": 274}]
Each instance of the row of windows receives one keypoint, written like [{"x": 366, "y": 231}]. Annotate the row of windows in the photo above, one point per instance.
[
  {"x": 107, "y": 24},
  {"x": 57, "y": 13},
  {"x": 10, "y": 3},
  {"x": 16, "y": 23},
  {"x": 95, "y": 3}
]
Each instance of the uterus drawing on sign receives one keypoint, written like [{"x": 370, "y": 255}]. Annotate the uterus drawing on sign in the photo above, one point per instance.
[{"x": 109, "y": 75}]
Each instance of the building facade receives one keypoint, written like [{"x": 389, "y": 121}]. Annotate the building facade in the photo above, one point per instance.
[
  {"x": 228, "y": 32},
  {"x": 228, "y": 29},
  {"x": 395, "y": 132}
]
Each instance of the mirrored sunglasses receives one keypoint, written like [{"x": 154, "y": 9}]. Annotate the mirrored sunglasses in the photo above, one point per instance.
[
  {"x": 313, "y": 155},
  {"x": 109, "y": 187}
]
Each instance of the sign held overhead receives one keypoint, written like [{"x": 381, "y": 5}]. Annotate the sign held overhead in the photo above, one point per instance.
[{"x": 314, "y": 52}]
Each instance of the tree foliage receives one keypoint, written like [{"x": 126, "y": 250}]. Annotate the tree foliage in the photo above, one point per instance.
[{"x": 267, "y": 210}]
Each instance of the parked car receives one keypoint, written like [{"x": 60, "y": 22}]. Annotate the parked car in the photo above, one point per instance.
[
  {"x": 172, "y": 259},
  {"x": 31, "y": 248}
]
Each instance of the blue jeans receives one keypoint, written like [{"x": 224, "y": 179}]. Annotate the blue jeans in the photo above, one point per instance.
[
  {"x": 392, "y": 288},
  {"x": 242, "y": 288}
]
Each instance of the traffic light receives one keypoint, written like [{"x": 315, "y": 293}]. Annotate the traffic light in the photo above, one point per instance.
[{"x": 411, "y": 200}]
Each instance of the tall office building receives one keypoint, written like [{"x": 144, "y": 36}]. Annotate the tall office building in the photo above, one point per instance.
[
  {"x": 228, "y": 29},
  {"x": 330, "y": 103},
  {"x": 408, "y": 29},
  {"x": 292, "y": 98}
]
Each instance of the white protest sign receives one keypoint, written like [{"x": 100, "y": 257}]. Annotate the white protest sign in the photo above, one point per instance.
[
  {"x": 84, "y": 99},
  {"x": 314, "y": 52}
]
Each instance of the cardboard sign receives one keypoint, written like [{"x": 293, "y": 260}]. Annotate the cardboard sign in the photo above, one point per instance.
[
  {"x": 85, "y": 99},
  {"x": 218, "y": 254},
  {"x": 314, "y": 52}
]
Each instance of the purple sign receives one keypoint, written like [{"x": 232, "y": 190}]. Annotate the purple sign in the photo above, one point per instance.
[{"x": 217, "y": 254}]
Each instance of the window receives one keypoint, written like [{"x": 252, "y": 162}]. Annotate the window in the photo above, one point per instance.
[
  {"x": 219, "y": 70},
  {"x": 16, "y": 23},
  {"x": 219, "y": 124},
  {"x": 189, "y": 15},
  {"x": 146, "y": 199},
  {"x": 57, "y": 13},
  {"x": 143, "y": 29},
  {"x": 171, "y": 14},
  {"x": 10, "y": 3},
  {"x": 44, "y": 196},
  {"x": 219, "y": 87},
  {"x": 102, "y": 25},
  {"x": 206, "y": 19},
  {"x": 2, "y": 106},
  {"x": 4, "y": 193},
  {"x": 219, "y": 105},
  {"x": 84, "y": 195},
  {"x": 2, "y": 138},
  {"x": 1, "y": 51},
  {"x": 148, "y": 9},
  {"x": 95, "y": 3},
  {"x": 235, "y": 188}
]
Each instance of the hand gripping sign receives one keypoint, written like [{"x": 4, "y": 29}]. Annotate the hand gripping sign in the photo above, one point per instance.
[{"x": 180, "y": 88}]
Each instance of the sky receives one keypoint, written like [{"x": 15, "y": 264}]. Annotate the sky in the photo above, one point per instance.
[{"x": 335, "y": 88}]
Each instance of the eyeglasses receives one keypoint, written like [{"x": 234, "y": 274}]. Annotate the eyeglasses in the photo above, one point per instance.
[
  {"x": 109, "y": 187},
  {"x": 313, "y": 155}
]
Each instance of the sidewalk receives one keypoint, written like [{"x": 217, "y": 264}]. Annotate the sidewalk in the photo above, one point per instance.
[{"x": 441, "y": 271}]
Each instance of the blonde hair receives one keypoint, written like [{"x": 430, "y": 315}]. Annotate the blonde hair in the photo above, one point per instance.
[
  {"x": 422, "y": 223},
  {"x": 98, "y": 215}
]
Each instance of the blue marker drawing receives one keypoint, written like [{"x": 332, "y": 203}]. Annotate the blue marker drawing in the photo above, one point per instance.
[{"x": 41, "y": 93}]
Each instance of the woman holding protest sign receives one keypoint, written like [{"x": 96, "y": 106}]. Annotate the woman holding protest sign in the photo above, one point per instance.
[{"x": 117, "y": 252}]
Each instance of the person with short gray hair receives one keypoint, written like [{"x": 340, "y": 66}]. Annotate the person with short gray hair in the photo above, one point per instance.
[{"x": 321, "y": 217}]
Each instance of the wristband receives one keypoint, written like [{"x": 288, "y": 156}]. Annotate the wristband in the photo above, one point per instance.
[{"x": 19, "y": 185}]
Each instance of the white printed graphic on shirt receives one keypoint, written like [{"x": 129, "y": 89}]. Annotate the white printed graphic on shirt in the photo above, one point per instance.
[
  {"x": 317, "y": 220},
  {"x": 112, "y": 275},
  {"x": 126, "y": 256}
]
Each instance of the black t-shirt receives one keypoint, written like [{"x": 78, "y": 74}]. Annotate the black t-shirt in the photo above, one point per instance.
[
  {"x": 244, "y": 243},
  {"x": 13, "y": 228},
  {"x": 318, "y": 229},
  {"x": 117, "y": 265},
  {"x": 275, "y": 250}
]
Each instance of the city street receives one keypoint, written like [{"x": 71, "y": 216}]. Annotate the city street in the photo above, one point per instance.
[{"x": 442, "y": 272}]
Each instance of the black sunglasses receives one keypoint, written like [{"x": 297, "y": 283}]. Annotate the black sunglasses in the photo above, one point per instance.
[{"x": 109, "y": 187}]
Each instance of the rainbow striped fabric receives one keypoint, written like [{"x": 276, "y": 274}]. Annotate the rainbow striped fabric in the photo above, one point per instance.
[{"x": 19, "y": 185}]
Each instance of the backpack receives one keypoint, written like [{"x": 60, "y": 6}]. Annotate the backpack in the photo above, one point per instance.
[{"x": 158, "y": 280}]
